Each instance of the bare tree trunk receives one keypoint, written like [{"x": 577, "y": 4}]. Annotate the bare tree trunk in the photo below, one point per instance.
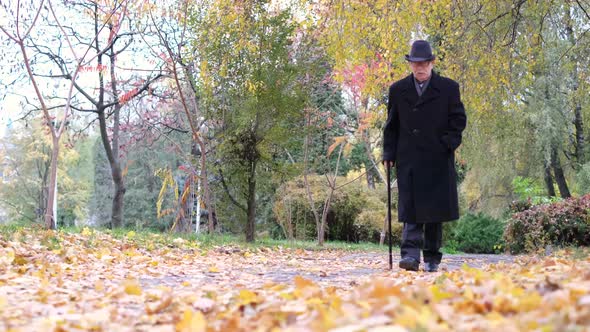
[
  {"x": 210, "y": 208},
  {"x": 290, "y": 235},
  {"x": 322, "y": 229},
  {"x": 549, "y": 180},
  {"x": 50, "y": 221},
  {"x": 578, "y": 120},
  {"x": 328, "y": 202},
  {"x": 368, "y": 164},
  {"x": 371, "y": 166},
  {"x": 117, "y": 207},
  {"x": 579, "y": 124},
  {"x": 251, "y": 207},
  {"x": 369, "y": 176},
  {"x": 305, "y": 171},
  {"x": 113, "y": 156},
  {"x": 44, "y": 169},
  {"x": 117, "y": 211},
  {"x": 559, "y": 176}
]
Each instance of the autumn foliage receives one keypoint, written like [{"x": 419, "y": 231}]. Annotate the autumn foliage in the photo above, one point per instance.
[{"x": 56, "y": 281}]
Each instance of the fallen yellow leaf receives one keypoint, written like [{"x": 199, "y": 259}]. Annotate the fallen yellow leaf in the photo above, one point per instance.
[
  {"x": 192, "y": 322},
  {"x": 301, "y": 282},
  {"x": 380, "y": 290},
  {"x": 132, "y": 287},
  {"x": 247, "y": 297},
  {"x": 86, "y": 231},
  {"x": 438, "y": 294}
]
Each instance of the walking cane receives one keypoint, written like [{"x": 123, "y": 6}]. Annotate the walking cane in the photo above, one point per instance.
[{"x": 389, "y": 213}]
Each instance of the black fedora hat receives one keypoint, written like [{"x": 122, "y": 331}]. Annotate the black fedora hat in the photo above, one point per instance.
[{"x": 420, "y": 51}]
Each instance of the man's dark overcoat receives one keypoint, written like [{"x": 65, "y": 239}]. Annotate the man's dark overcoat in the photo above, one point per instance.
[{"x": 421, "y": 135}]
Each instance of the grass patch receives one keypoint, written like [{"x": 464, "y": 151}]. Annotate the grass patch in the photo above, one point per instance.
[
  {"x": 580, "y": 253},
  {"x": 145, "y": 238},
  {"x": 150, "y": 239},
  {"x": 312, "y": 245}
]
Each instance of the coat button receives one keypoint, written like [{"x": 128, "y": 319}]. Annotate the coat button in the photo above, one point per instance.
[{"x": 415, "y": 131}]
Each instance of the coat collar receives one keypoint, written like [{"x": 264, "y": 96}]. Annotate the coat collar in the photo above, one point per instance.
[{"x": 410, "y": 94}]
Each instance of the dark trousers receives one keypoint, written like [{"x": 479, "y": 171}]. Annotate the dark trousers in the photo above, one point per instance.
[{"x": 426, "y": 237}]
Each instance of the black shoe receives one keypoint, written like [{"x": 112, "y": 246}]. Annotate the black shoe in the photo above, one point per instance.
[
  {"x": 431, "y": 267},
  {"x": 409, "y": 263}
]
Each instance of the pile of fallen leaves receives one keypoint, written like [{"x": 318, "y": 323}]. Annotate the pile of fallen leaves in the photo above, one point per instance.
[{"x": 55, "y": 281}]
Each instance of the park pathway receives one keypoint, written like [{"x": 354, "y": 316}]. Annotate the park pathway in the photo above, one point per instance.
[{"x": 341, "y": 269}]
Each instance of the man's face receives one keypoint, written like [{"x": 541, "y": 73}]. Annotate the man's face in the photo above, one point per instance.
[{"x": 422, "y": 69}]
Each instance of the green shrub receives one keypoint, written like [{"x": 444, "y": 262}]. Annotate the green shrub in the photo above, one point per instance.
[
  {"x": 561, "y": 224},
  {"x": 369, "y": 223},
  {"x": 478, "y": 233},
  {"x": 530, "y": 192}
]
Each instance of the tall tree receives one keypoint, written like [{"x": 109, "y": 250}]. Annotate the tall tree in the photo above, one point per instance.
[{"x": 249, "y": 88}]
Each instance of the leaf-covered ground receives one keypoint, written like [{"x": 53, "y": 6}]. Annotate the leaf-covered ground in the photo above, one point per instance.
[{"x": 91, "y": 281}]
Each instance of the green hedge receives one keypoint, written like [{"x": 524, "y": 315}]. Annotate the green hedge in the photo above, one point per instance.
[{"x": 478, "y": 233}]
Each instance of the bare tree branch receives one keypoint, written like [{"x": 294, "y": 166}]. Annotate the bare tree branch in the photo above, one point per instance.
[
  {"x": 145, "y": 86},
  {"x": 236, "y": 203},
  {"x": 583, "y": 9}
]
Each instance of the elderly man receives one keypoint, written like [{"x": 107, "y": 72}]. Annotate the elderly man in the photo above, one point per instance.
[{"x": 424, "y": 126}]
